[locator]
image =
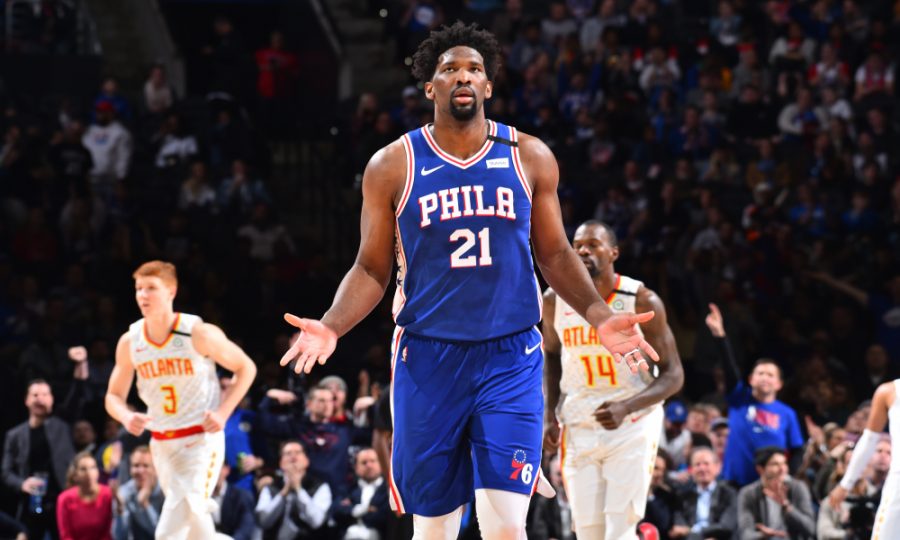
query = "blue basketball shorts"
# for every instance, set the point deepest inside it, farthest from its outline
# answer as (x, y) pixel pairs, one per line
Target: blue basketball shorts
(466, 416)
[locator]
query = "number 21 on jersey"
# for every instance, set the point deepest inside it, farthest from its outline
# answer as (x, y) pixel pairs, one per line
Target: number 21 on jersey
(460, 259)
(604, 366)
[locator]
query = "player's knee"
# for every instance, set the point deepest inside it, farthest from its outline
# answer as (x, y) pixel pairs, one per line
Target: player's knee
(444, 527)
(501, 514)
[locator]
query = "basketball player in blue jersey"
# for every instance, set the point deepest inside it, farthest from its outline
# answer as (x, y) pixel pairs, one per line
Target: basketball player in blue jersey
(461, 203)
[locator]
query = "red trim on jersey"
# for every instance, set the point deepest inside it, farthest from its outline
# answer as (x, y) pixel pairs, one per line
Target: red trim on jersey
(176, 433)
(402, 261)
(612, 295)
(517, 164)
(410, 173)
(464, 164)
(395, 493)
(168, 338)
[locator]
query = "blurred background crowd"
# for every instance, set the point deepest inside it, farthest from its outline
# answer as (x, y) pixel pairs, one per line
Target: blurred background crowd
(744, 152)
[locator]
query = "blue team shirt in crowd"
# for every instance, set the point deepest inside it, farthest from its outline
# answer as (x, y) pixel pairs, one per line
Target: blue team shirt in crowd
(753, 425)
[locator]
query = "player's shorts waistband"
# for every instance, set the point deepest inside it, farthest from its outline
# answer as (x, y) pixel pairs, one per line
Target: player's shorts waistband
(466, 342)
(176, 433)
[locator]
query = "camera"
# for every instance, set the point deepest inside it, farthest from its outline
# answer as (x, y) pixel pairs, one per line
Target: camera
(862, 516)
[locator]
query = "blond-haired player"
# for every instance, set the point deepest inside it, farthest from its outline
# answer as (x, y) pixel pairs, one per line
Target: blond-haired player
(611, 416)
(174, 356)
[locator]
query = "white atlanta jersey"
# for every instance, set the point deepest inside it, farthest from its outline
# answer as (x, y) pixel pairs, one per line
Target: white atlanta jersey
(590, 375)
(176, 382)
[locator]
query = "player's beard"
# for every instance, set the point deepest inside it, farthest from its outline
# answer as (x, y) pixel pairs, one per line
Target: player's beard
(465, 113)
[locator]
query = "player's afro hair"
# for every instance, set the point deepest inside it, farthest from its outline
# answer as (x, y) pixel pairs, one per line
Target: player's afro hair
(425, 59)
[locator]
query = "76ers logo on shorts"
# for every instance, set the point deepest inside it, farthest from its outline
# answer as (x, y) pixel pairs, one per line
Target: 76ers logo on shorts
(521, 470)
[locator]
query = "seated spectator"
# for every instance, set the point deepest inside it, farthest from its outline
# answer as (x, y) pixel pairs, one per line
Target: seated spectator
(707, 508)
(659, 74)
(158, 93)
(110, 93)
(802, 119)
(84, 510)
(551, 518)
(363, 514)
(176, 144)
(234, 509)
(264, 232)
(139, 500)
(195, 193)
(835, 105)
(726, 27)
(84, 438)
(794, 51)
(662, 502)
(559, 25)
(775, 505)
(718, 434)
(295, 504)
(593, 28)
(835, 524)
(829, 71)
(874, 79)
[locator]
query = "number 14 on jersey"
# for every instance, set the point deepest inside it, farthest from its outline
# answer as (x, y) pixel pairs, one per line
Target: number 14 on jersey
(604, 368)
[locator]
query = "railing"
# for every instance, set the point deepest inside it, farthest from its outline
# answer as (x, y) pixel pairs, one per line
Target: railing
(24, 32)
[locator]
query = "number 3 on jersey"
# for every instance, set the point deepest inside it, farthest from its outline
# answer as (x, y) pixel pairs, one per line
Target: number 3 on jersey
(171, 404)
(459, 259)
(605, 368)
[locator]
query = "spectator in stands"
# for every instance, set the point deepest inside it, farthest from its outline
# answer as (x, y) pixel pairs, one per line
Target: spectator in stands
(84, 510)
(84, 438)
(718, 435)
(110, 93)
(835, 524)
(139, 500)
(551, 518)
(676, 440)
(159, 96)
(559, 25)
(529, 45)
(278, 72)
(265, 233)
(174, 142)
(775, 505)
(37, 453)
(874, 79)
(707, 508)
(196, 195)
(234, 514)
(110, 145)
(756, 419)
(363, 514)
(295, 504)
(662, 503)
(792, 52)
(225, 56)
(592, 29)
(241, 191)
(71, 162)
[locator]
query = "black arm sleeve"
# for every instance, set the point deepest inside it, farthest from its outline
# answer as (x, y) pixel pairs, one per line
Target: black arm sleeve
(729, 362)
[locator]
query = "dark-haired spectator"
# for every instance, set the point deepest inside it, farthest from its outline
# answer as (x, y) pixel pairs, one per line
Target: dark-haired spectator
(775, 505)
(196, 195)
(558, 25)
(756, 419)
(241, 191)
(265, 233)
(295, 503)
(84, 510)
(38, 452)
(363, 514)
(110, 145)
(874, 79)
(176, 145)
(234, 514)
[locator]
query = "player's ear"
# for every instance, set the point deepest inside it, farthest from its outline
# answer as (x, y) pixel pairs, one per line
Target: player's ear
(429, 90)
(614, 253)
(488, 90)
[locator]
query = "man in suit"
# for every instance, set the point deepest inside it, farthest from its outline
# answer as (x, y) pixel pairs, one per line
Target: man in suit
(234, 515)
(707, 508)
(775, 505)
(32, 466)
(363, 515)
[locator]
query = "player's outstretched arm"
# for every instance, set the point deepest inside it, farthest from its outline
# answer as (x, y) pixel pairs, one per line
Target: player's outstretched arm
(211, 341)
(117, 391)
(671, 374)
(552, 372)
(363, 286)
(560, 265)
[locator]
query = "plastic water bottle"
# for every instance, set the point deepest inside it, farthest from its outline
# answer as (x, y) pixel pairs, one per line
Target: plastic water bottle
(36, 500)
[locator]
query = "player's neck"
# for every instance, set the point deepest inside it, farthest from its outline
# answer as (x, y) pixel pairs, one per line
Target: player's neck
(461, 139)
(160, 325)
(605, 282)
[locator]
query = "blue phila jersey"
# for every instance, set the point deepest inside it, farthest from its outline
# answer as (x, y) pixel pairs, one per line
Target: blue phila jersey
(463, 241)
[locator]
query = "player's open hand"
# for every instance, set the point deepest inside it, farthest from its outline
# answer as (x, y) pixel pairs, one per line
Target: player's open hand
(315, 344)
(610, 414)
(136, 422)
(213, 421)
(619, 334)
